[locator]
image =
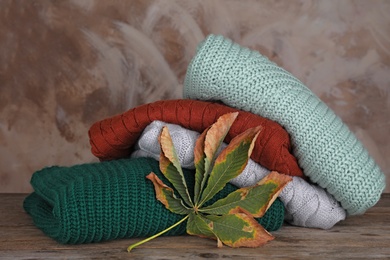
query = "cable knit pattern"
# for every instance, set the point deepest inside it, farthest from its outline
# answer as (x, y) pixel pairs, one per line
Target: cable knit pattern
(183, 140)
(114, 137)
(110, 200)
(326, 149)
(310, 205)
(306, 205)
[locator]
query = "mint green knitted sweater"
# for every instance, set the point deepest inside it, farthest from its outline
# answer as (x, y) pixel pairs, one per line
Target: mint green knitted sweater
(325, 148)
(110, 200)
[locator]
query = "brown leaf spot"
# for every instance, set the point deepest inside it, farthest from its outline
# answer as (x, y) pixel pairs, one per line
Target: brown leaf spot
(243, 194)
(248, 229)
(211, 225)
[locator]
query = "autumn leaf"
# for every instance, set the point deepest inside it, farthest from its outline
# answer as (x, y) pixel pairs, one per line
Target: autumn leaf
(167, 197)
(199, 162)
(230, 220)
(170, 166)
(206, 149)
(253, 200)
(198, 226)
(238, 230)
(230, 163)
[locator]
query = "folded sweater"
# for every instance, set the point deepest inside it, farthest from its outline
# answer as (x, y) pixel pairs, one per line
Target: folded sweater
(110, 200)
(114, 137)
(327, 151)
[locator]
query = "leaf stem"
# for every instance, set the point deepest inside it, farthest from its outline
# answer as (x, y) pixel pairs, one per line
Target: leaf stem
(156, 235)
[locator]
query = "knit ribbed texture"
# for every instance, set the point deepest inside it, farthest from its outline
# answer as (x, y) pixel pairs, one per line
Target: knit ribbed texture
(326, 149)
(114, 137)
(306, 205)
(110, 200)
(183, 140)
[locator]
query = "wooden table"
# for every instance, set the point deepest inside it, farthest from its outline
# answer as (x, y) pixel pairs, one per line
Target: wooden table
(365, 237)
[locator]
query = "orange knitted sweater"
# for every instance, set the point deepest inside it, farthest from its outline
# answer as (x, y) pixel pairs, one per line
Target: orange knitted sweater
(114, 137)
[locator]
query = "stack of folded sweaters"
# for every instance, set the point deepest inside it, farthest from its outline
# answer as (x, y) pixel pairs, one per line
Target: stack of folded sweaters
(333, 175)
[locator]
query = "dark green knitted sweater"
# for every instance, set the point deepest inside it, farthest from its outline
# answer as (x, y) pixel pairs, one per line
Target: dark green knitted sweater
(110, 200)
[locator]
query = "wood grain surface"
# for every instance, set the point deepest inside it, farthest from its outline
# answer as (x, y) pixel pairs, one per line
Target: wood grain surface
(365, 237)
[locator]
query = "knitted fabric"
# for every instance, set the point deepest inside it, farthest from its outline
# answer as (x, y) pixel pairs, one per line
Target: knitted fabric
(326, 149)
(110, 200)
(183, 140)
(306, 205)
(114, 137)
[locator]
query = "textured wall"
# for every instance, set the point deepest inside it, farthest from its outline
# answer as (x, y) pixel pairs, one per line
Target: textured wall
(67, 64)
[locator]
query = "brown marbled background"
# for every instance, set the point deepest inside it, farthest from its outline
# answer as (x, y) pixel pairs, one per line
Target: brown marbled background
(66, 64)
